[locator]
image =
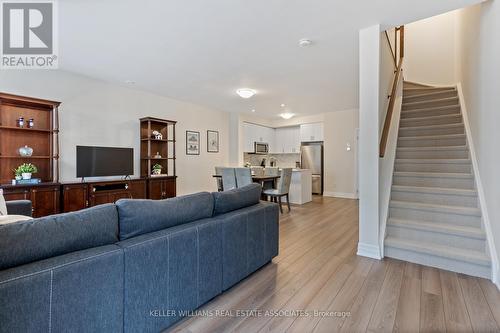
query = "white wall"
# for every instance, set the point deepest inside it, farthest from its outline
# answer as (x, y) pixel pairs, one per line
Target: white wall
(369, 87)
(430, 50)
(96, 113)
(339, 130)
(478, 71)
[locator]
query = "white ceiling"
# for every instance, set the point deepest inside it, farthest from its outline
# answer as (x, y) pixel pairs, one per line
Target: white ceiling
(201, 51)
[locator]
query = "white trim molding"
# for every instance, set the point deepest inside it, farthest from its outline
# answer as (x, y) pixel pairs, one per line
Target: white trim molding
(344, 195)
(495, 270)
(369, 250)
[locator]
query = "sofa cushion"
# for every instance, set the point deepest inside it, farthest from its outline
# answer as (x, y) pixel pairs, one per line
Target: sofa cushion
(137, 217)
(237, 198)
(32, 240)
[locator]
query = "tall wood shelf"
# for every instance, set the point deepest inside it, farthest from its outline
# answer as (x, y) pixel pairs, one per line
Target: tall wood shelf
(158, 186)
(43, 137)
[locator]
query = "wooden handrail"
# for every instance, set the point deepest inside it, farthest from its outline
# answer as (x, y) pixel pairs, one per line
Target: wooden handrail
(392, 97)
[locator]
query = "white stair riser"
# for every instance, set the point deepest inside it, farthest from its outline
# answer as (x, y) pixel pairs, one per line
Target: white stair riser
(424, 96)
(437, 238)
(433, 154)
(460, 183)
(433, 167)
(445, 120)
(438, 262)
(429, 104)
(432, 142)
(437, 199)
(424, 131)
(423, 215)
(430, 113)
(420, 91)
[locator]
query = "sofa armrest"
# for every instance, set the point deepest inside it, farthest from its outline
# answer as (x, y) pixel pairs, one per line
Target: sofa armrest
(19, 207)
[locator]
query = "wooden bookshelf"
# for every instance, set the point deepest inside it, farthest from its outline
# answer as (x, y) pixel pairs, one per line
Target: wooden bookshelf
(43, 137)
(158, 186)
(157, 151)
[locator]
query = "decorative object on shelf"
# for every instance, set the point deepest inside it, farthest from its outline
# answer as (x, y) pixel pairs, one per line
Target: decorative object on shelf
(158, 155)
(248, 165)
(192, 143)
(212, 141)
(20, 122)
(31, 123)
(157, 169)
(157, 135)
(26, 170)
(25, 151)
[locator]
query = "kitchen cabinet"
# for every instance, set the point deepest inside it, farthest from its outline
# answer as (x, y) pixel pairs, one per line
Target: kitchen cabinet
(287, 140)
(255, 133)
(311, 132)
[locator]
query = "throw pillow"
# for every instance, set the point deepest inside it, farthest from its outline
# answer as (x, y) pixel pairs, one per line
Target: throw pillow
(7, 219)
(3, 205)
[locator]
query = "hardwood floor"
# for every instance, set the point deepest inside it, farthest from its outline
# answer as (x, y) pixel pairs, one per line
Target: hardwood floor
(318, 270)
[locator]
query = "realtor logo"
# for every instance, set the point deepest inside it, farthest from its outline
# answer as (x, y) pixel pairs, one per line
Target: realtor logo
(28, 35)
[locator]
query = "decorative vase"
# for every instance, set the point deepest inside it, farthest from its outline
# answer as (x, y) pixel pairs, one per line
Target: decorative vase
(156, 171)
(26, 175)
(18, 177)
(25, 151)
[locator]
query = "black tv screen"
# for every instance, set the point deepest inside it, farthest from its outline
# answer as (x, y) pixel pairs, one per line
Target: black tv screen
(104, 161)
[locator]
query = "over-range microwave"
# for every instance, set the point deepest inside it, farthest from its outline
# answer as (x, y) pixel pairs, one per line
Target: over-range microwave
(261, 148)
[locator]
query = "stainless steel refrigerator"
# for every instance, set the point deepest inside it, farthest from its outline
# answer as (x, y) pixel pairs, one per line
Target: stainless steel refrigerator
(312, 159)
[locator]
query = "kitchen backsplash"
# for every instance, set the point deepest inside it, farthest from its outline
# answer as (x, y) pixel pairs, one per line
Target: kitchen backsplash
(282, 160)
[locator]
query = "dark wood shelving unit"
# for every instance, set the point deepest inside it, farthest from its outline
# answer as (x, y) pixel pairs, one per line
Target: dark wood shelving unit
(159, 186)
(43, 138)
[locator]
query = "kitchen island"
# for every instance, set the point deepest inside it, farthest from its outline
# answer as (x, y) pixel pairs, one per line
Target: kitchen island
(301, 186)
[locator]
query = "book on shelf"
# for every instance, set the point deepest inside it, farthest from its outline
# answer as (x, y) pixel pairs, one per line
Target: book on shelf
(28, 181)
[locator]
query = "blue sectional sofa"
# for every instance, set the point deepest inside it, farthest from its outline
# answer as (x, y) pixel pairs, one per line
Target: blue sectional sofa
(134, 266)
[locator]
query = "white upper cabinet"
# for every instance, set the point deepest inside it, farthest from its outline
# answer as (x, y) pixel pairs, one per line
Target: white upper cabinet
(311, 132)
(287, 140)
(255, 133)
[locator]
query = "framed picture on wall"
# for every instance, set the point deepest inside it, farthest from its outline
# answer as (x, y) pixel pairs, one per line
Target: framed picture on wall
(192, 143)
(212, 141)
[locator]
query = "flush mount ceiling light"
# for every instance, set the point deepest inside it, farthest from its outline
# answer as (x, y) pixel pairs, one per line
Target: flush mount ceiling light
(282, 105)
(287, 115)
(304, 42)
(253, 110)
(245, 92)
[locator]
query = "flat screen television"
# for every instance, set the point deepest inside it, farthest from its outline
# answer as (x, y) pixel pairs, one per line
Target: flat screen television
(104, 161)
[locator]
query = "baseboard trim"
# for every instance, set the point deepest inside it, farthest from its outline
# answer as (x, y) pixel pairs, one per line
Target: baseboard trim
(369, 250)
(495, 265)
(344, 195)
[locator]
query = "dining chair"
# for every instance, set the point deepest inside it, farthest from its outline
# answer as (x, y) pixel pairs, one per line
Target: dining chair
(228, 179)
(271, 172)
(258, 171)
(282, 189)
(218, 172)
(243, 176)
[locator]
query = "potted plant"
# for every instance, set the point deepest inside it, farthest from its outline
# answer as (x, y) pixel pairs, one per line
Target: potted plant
(25, 170)
(157, 169)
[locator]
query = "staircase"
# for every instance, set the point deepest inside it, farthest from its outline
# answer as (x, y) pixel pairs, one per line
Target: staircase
(434, 215)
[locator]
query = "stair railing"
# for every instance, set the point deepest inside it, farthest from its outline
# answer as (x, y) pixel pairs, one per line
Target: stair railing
(398, 51)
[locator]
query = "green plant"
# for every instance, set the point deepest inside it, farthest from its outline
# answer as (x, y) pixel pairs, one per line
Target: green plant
(157, 167)
(25, 168)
